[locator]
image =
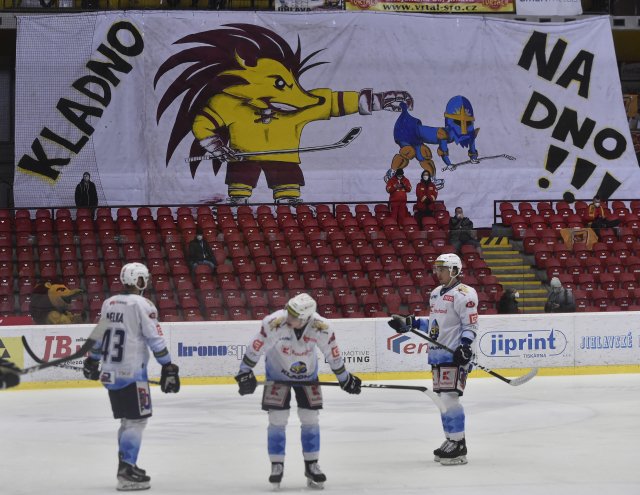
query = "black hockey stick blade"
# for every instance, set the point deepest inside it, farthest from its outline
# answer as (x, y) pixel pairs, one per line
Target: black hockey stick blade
(511, 381)
(95, 336)
(431, 394)
(345, 141)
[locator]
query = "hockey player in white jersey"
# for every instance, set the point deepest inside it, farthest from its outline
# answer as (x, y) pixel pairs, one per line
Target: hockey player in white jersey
(132, 329)
(289, 338)
(453, 322)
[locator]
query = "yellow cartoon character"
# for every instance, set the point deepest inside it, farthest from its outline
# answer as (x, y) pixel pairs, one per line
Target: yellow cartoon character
(50, 304)
(244, 104)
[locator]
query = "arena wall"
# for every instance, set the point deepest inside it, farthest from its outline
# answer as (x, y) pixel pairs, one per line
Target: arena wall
(210, 352)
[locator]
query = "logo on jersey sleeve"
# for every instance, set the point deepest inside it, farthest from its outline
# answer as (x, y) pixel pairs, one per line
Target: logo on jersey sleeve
(470, 304)
(473, 318)
(335, 352)
(159, 329)
(257, 345)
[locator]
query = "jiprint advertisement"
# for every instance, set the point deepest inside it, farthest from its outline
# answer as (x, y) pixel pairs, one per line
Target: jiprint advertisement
(204, 108)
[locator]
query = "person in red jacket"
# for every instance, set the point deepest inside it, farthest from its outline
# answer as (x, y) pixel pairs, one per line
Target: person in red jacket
(398, 186)
(595, 216)
(426, 195)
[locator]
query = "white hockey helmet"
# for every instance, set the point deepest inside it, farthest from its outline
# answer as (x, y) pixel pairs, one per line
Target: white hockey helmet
(131, 273)
(302, 306)
(451, 261)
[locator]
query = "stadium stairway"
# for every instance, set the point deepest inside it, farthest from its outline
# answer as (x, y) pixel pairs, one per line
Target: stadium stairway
(512, 270)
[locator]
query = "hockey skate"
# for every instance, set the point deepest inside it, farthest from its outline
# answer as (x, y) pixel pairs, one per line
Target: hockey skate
(315, 476)
(438, 452)
(277, 470)
(453, 453)
(131, 478)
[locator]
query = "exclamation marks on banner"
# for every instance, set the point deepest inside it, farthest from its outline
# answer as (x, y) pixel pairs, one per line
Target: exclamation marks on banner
(582, 172)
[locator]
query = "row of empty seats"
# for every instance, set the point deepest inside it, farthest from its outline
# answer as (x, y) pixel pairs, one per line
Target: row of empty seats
(303, 250)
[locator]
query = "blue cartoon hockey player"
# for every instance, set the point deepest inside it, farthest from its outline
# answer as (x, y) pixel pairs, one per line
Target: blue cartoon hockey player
(413, 137)
(289, 339)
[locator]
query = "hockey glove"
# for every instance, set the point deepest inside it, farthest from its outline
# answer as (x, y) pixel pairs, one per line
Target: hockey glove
(9, 374)
(463, 354)
(402, 324)
(351, 385)
(247, 382)
(91, 369)
(169, 379)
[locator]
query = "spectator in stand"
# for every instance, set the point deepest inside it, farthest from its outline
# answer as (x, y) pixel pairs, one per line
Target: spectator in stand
(461, 231)
(398, 186)
(426, 195)
(508, 303)
(560, 299)
(86, 193)
(595, 216)
(200, 252)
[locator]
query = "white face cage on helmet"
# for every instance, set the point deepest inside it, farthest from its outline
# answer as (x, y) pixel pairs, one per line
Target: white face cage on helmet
(450, 261)
(131, 273)
(302, 306)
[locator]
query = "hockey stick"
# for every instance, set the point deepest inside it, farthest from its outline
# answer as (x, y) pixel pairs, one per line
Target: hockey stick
(454, 166)
(432, 395)
(345, 141)
(511, 381)
(33, 356)
(95, 336)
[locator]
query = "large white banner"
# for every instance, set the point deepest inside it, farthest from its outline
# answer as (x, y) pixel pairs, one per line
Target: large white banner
(507, 109)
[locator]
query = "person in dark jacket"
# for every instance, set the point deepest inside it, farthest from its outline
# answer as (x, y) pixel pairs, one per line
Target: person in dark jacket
(560, 298)
(86, 193)
(200, 252)
(461, 231)
(508, 303)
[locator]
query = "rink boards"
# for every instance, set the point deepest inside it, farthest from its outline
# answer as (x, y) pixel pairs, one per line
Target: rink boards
(210, 352)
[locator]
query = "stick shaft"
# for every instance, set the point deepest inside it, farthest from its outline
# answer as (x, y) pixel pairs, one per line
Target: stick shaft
(515, 382)
(346, 140)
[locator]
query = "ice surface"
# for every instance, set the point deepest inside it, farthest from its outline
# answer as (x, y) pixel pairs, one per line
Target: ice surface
(570, 435)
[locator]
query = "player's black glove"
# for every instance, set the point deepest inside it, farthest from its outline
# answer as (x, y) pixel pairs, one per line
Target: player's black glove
(463, 354)
(91, 369)
(169, 379)
(351, 385)
(402, 324)
(247, 382)
(9, 374)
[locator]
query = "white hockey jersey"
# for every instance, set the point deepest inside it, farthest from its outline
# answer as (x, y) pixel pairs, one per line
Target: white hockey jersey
(453, 316)
(132, 328)
(288, 358)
